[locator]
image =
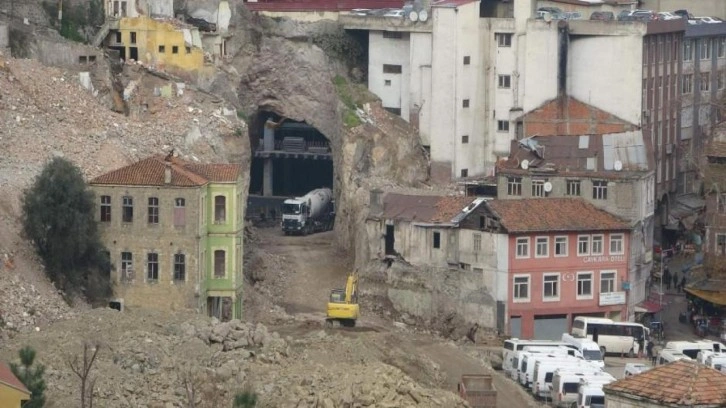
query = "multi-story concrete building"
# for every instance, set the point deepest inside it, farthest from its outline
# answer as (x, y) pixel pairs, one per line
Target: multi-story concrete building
(715, 190)
(174, 232)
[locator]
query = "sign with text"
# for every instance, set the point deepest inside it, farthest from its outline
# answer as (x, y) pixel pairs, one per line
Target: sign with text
(612, 298)
(603, 258)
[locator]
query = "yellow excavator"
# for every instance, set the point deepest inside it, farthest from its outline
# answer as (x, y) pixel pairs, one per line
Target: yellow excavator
(343, 309)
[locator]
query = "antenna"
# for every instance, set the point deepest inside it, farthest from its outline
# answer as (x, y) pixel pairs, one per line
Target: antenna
(525, 164)
(423, 15)
(413, 16)
(547, 187)
(618, 165)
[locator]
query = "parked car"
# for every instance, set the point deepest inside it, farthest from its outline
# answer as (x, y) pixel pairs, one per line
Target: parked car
(395, 13)
(634, 369)
(572, 15)
(645, 15)
(709, 20)
(683, 14)
(667, 15)
(625, 15)
(602, 15)
(551, 10)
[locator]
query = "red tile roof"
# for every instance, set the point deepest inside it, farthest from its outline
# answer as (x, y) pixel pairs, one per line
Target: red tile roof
(681, 383)
(8, 378)
(150, 172)
(554, 214)
(423, 208)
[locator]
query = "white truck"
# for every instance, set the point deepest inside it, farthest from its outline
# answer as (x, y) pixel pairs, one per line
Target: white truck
(310, 213)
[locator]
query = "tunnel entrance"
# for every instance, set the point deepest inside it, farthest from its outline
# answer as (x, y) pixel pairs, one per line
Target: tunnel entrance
(289, 159)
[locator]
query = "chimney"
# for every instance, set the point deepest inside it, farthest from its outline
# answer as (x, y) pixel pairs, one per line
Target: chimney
(167, 173)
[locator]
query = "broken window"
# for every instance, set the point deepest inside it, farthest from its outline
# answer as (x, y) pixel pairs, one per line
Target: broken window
(437, 239)
(395, 111)
(105, 208)
(607, 282)
(127, 266)
(188, 50)
(465, 266)
(573, 188)
(118, 37)
(467, 60)
(128, 209)
(133, 37)
(180, 268)
(551, 285)
(503, 39)
(175, 49)
(616, 244)
(522, 247)
(123, 9)
(152, 267)
(720, 244)
(514, 186)
(584, 284)
(600, 190)
(583, 245)
(220, 269)
(477, 242)
(597, 244)
(162, 49)
(502, 126)
(392, 69)
(521, 288)
(542, 247)
(82, 59)
(153, 210)
(560, 246)
(180, 212)
(505, 81)
(220, 209)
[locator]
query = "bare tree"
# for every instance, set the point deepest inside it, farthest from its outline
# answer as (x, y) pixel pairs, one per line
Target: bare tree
(83, 370)
(202, 384)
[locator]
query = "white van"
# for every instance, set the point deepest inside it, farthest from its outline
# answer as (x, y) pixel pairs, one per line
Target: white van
(634, 369)
(566, 384)
(589, 349)
(514, 364)
(590, 394)
(717, 361)
(544, 370)
(703, 355)
(529, 361)
(513, 345)
(669, 355)
(691, 348)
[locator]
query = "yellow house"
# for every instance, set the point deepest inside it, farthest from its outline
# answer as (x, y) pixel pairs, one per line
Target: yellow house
(12, 391)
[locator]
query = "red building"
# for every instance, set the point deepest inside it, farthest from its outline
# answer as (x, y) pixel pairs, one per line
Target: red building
(565, 258)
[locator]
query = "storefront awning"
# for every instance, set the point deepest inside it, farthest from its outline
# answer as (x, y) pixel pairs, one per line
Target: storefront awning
(717, 298)
(648, 307)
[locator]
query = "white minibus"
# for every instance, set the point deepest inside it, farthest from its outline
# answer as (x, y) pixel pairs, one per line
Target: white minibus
(513, 345)
(692, 348)
(666, 356)
(566, 384)
(514, 364)
(589, 349)
(544, 371)
(612, 337)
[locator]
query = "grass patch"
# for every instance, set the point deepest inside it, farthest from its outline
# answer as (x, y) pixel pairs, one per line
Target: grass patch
(350, 117)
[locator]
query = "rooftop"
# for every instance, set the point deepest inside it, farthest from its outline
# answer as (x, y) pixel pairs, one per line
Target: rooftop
(151, 172)
(554, 214)
(8, 378)
(681, 383)
(424, 208)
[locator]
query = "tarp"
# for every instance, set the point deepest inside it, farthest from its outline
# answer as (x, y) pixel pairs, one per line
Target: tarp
(648, 307)
(717, 298)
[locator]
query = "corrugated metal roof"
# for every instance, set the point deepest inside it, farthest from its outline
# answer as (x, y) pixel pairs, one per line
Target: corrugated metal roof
(628, 148)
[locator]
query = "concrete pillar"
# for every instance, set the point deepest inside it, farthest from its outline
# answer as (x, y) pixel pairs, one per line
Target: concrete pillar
(268, 141)
(267, 178)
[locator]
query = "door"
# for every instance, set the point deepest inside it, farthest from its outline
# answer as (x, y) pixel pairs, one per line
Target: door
(550, 327)
(390, 240)
(515, 326)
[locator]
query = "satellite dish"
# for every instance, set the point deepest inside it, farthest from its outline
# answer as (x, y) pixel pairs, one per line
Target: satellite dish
(618, 165)
(413, 16)
(525, 164)
(547, 17)
(423, 15)
(547, 187)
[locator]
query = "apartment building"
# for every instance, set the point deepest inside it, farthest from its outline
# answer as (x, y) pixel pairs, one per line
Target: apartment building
(174, 232)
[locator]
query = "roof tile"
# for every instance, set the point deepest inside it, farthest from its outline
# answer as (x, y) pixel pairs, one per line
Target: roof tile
(423, 208)
(683, 382)
(150, 172)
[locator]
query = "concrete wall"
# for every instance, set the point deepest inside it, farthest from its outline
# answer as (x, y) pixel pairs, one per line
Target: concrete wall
(420, 85)
(392, 88)
(66, 54)
(618, 401)
(4, 37)
(540, 55)
(160, 8)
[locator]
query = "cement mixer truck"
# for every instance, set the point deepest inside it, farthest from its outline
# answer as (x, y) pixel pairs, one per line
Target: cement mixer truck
(313, 212)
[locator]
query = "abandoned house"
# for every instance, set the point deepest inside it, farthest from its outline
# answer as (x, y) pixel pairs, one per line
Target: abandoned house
(174, 232)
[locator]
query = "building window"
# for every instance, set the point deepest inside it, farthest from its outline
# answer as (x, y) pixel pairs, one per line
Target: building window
(437, 239)
(505, 81)
(721, 203)
(188, 50)
(127, 265)
(465, 139)
(392, 69)
(560, 246)
(538, 188)
(220, 258)
(521, 288)
(522, 247)
(573, 188)
(705, 49)
(397, 35)
(720, 244)
(477, 242)
(597, 244)
(465, 103)
(152, 267)
(583, 245)
(467, 60)
(550, 287)
(387, 82)
(180, 268)
(175, 49)
(721, 47)
(133, 37)
(600, 190)
(180, 212)
(503, 39)
(616, 244)
(687, 50)
(465, 266)
(705, 84)
(542, 247)
(220, 209)
(153, 210)
(105, 208)
(687, 83)
(464, 172)
(162, 49)
(395, 111)
(514, 186)
(502, 126)
(584, 285)
(118, 37)
(127, 209)
(607, 282)
(721, 80)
